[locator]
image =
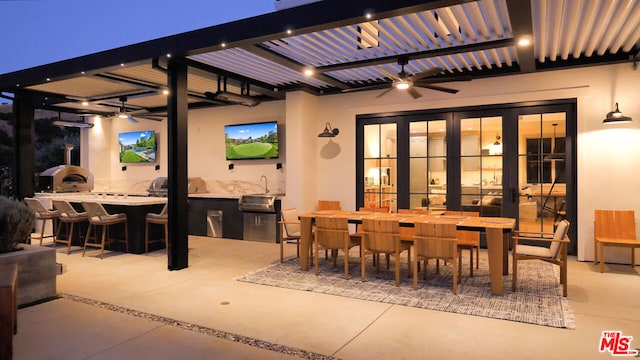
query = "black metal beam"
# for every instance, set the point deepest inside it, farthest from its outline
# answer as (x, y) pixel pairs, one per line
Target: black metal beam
(265, 53)
(522, 26)
(418, 55)
(178, 250)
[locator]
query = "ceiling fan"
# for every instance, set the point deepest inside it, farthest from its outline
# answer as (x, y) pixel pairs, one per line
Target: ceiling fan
(403, 81)
(123, 113)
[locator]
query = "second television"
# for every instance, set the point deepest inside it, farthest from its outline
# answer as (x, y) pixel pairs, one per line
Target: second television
(251, 141)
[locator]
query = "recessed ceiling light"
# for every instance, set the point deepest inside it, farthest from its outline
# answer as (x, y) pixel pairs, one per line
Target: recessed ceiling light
(308, 72)
(165, 92)
(289, 31)
(85, 103)
(368, 16)
(524, 41)
(223, 44)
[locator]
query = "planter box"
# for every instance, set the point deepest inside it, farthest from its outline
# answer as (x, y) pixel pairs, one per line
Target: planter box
(36, 272)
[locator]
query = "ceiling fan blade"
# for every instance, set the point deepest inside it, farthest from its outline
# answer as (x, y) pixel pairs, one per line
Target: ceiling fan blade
(426, 74)
(438, 88)
(414, 93)
(132, 119)
(390, 74)
(442, 79)
(370, 87)
(384, 92)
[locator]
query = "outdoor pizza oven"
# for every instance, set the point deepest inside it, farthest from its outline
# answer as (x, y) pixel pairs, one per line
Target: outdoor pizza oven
(66, 178)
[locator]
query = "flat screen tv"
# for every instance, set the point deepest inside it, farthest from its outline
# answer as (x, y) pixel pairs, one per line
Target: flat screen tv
(137, 146)
(252, 141)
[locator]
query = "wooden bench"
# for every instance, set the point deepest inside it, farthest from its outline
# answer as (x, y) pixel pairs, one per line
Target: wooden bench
(8, 308)
(614, 228)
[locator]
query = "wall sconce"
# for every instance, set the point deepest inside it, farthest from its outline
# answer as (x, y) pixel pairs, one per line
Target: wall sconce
(157, 167)
(328, 131)
(279, 166)
(124, 168)
(616, 117)
(230, 166)
(496, 148)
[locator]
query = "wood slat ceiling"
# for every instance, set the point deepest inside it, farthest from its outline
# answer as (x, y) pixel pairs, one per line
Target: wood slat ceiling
(464, 38)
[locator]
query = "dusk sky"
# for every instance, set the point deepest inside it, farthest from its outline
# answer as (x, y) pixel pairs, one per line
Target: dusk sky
(38, 32)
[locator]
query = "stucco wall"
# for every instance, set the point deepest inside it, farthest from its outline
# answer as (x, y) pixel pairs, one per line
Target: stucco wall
(319, 168)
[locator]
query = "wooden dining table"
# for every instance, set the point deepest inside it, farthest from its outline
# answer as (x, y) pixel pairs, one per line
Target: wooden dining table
(497, 229)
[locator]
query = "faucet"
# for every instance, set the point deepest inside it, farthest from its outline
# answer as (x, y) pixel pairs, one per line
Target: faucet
(266, 189)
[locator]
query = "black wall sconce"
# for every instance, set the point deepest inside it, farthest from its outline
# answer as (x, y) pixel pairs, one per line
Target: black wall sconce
(124, 168)
(328, 131)
(157, 167)
(616, 117)
(230, 166)
(279, 166)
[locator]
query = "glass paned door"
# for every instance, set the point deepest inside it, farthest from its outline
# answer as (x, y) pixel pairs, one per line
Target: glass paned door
(481, 165)
(380, 166)
(428, 164)
(541, 176)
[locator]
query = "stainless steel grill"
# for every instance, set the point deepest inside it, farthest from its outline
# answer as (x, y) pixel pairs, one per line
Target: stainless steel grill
(160, 186)
(257, 203)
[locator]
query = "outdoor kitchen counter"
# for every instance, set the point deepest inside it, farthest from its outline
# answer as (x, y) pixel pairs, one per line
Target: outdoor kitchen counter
(136, 208)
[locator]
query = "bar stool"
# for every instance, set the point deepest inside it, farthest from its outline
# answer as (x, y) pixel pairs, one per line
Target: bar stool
(98, 216)
(43, 214)
(68, 217)
(161, 219)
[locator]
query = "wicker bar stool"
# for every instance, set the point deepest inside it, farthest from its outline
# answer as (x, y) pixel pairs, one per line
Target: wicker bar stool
(161, 219)
(43, 214)
(68, 217)
(98, 216)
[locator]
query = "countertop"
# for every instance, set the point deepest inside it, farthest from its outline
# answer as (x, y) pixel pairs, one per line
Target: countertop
(104, 199)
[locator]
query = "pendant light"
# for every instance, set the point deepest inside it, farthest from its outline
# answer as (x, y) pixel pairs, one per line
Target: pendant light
(554, 155)
(616, 117)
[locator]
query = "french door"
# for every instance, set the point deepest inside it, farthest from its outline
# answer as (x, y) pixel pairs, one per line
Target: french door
(514, 160)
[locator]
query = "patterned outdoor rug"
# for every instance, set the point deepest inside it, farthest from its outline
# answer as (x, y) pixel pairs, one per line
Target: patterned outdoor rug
(537, 300)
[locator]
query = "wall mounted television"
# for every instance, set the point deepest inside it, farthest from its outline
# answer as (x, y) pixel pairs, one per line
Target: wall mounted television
(252, 141)
(137, 146)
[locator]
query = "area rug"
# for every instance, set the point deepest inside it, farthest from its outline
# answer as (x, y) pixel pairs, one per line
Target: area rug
(537, 300)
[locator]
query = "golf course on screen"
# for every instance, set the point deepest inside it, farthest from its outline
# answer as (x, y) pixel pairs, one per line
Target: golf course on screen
(251, 141)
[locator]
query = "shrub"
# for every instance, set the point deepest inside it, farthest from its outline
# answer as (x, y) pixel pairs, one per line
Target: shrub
(16, 224)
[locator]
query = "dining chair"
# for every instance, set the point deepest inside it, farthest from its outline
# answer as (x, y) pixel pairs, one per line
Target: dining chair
(68, 217)
(99, 217)
(328, 205)
(614, 228)
(333, 233)
(382, 236)
(358, 235)
(467, 240)
(161, 218)
(290, 231)
(43, 214)
(436, 240)
(551, 247)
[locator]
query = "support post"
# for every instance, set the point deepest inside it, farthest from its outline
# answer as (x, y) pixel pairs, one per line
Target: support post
(178, 200)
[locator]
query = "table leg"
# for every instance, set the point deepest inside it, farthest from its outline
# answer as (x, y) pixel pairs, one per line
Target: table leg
(495, 248)
(505, 253)
(305, 242)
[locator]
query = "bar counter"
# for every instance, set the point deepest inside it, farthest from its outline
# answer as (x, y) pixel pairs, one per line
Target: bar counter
(136, 208)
